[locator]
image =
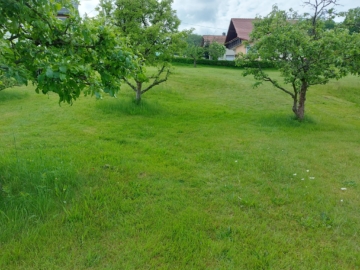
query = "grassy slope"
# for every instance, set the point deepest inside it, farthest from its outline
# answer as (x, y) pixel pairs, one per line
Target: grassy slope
(200, 176)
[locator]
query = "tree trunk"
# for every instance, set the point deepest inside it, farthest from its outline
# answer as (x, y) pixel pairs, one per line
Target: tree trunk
(194, 62)
(299, 108)
(138, 92)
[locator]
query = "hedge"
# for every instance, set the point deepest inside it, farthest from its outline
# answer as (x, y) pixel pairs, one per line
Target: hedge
(223, 63)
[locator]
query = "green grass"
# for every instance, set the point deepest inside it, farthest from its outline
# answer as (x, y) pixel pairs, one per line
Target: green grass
(200, 175)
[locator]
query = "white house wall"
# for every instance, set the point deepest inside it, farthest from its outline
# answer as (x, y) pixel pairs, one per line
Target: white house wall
(229, 55)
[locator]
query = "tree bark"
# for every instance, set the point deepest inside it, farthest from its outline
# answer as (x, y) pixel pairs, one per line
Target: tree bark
(138, 92)
(194, 62)
(299, 107)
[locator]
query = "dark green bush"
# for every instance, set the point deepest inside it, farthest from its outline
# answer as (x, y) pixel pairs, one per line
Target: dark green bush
(223, 63)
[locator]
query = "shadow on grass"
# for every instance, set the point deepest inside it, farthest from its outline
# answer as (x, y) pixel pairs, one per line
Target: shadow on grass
(12, 94)
(289, 122)
(286, 121)
(129, 106)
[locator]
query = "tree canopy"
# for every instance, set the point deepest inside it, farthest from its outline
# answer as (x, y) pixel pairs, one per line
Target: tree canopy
(63, 56)
(194, 52)
(304, 51)
(151, 28)
(194, 39)
(216, 50)
(352, 20)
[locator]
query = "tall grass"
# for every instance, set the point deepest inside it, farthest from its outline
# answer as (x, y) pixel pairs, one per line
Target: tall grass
(206, 173)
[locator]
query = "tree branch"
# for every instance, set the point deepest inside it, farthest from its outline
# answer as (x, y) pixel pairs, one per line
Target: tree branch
(38, 14)
(157, 81)
(274, 83)
(319, 7)
(129, 84)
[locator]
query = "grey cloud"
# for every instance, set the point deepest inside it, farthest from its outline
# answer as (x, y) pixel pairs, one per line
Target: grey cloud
(215, 15)
(196, 7)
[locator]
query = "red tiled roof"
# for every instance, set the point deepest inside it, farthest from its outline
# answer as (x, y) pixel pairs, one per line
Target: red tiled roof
(242, 28)
(219, 39)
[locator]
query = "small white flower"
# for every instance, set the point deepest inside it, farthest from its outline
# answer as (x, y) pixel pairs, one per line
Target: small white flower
(294, 174)
(307, 170)
(341, 200)
(343, 188)
(235, 160)
(64, 201)
(302, 179)
(311, 177)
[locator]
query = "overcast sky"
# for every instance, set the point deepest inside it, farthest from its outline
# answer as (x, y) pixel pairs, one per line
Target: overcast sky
(213, 16)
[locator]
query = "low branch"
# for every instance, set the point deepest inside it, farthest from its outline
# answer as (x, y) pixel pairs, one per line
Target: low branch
(129, 84)
(274, 83)
(157, 81)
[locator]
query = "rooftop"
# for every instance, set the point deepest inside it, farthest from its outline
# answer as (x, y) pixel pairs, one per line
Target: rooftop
(214, 38)
(240, 28)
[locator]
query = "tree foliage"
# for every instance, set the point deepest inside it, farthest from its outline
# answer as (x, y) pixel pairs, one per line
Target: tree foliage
(194, 52)
(216, 50)
(151, 27)
(65, 57)
(352, 20)
(329, 24)
(194, 39)
(304, 51)
(6, 82)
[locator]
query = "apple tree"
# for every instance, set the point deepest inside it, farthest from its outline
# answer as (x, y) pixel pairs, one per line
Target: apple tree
(151, 28)
(301, 48)
(63, 56)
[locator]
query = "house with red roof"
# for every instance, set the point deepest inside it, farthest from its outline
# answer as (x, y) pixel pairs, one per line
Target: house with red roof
(208, 39)
(238, 32)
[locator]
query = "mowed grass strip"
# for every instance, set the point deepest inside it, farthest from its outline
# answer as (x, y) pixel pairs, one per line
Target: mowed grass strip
(206, 173)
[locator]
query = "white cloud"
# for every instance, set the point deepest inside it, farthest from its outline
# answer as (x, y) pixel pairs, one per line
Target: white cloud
(213, 16)
(88, 6)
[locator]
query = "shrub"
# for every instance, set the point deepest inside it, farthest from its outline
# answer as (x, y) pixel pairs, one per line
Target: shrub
(223, 63)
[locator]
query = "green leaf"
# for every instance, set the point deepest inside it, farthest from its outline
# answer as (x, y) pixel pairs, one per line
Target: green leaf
(49, 73)
(63, 69)
(62, 76)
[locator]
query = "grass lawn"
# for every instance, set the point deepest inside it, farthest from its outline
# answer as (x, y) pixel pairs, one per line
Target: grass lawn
(207, 173)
